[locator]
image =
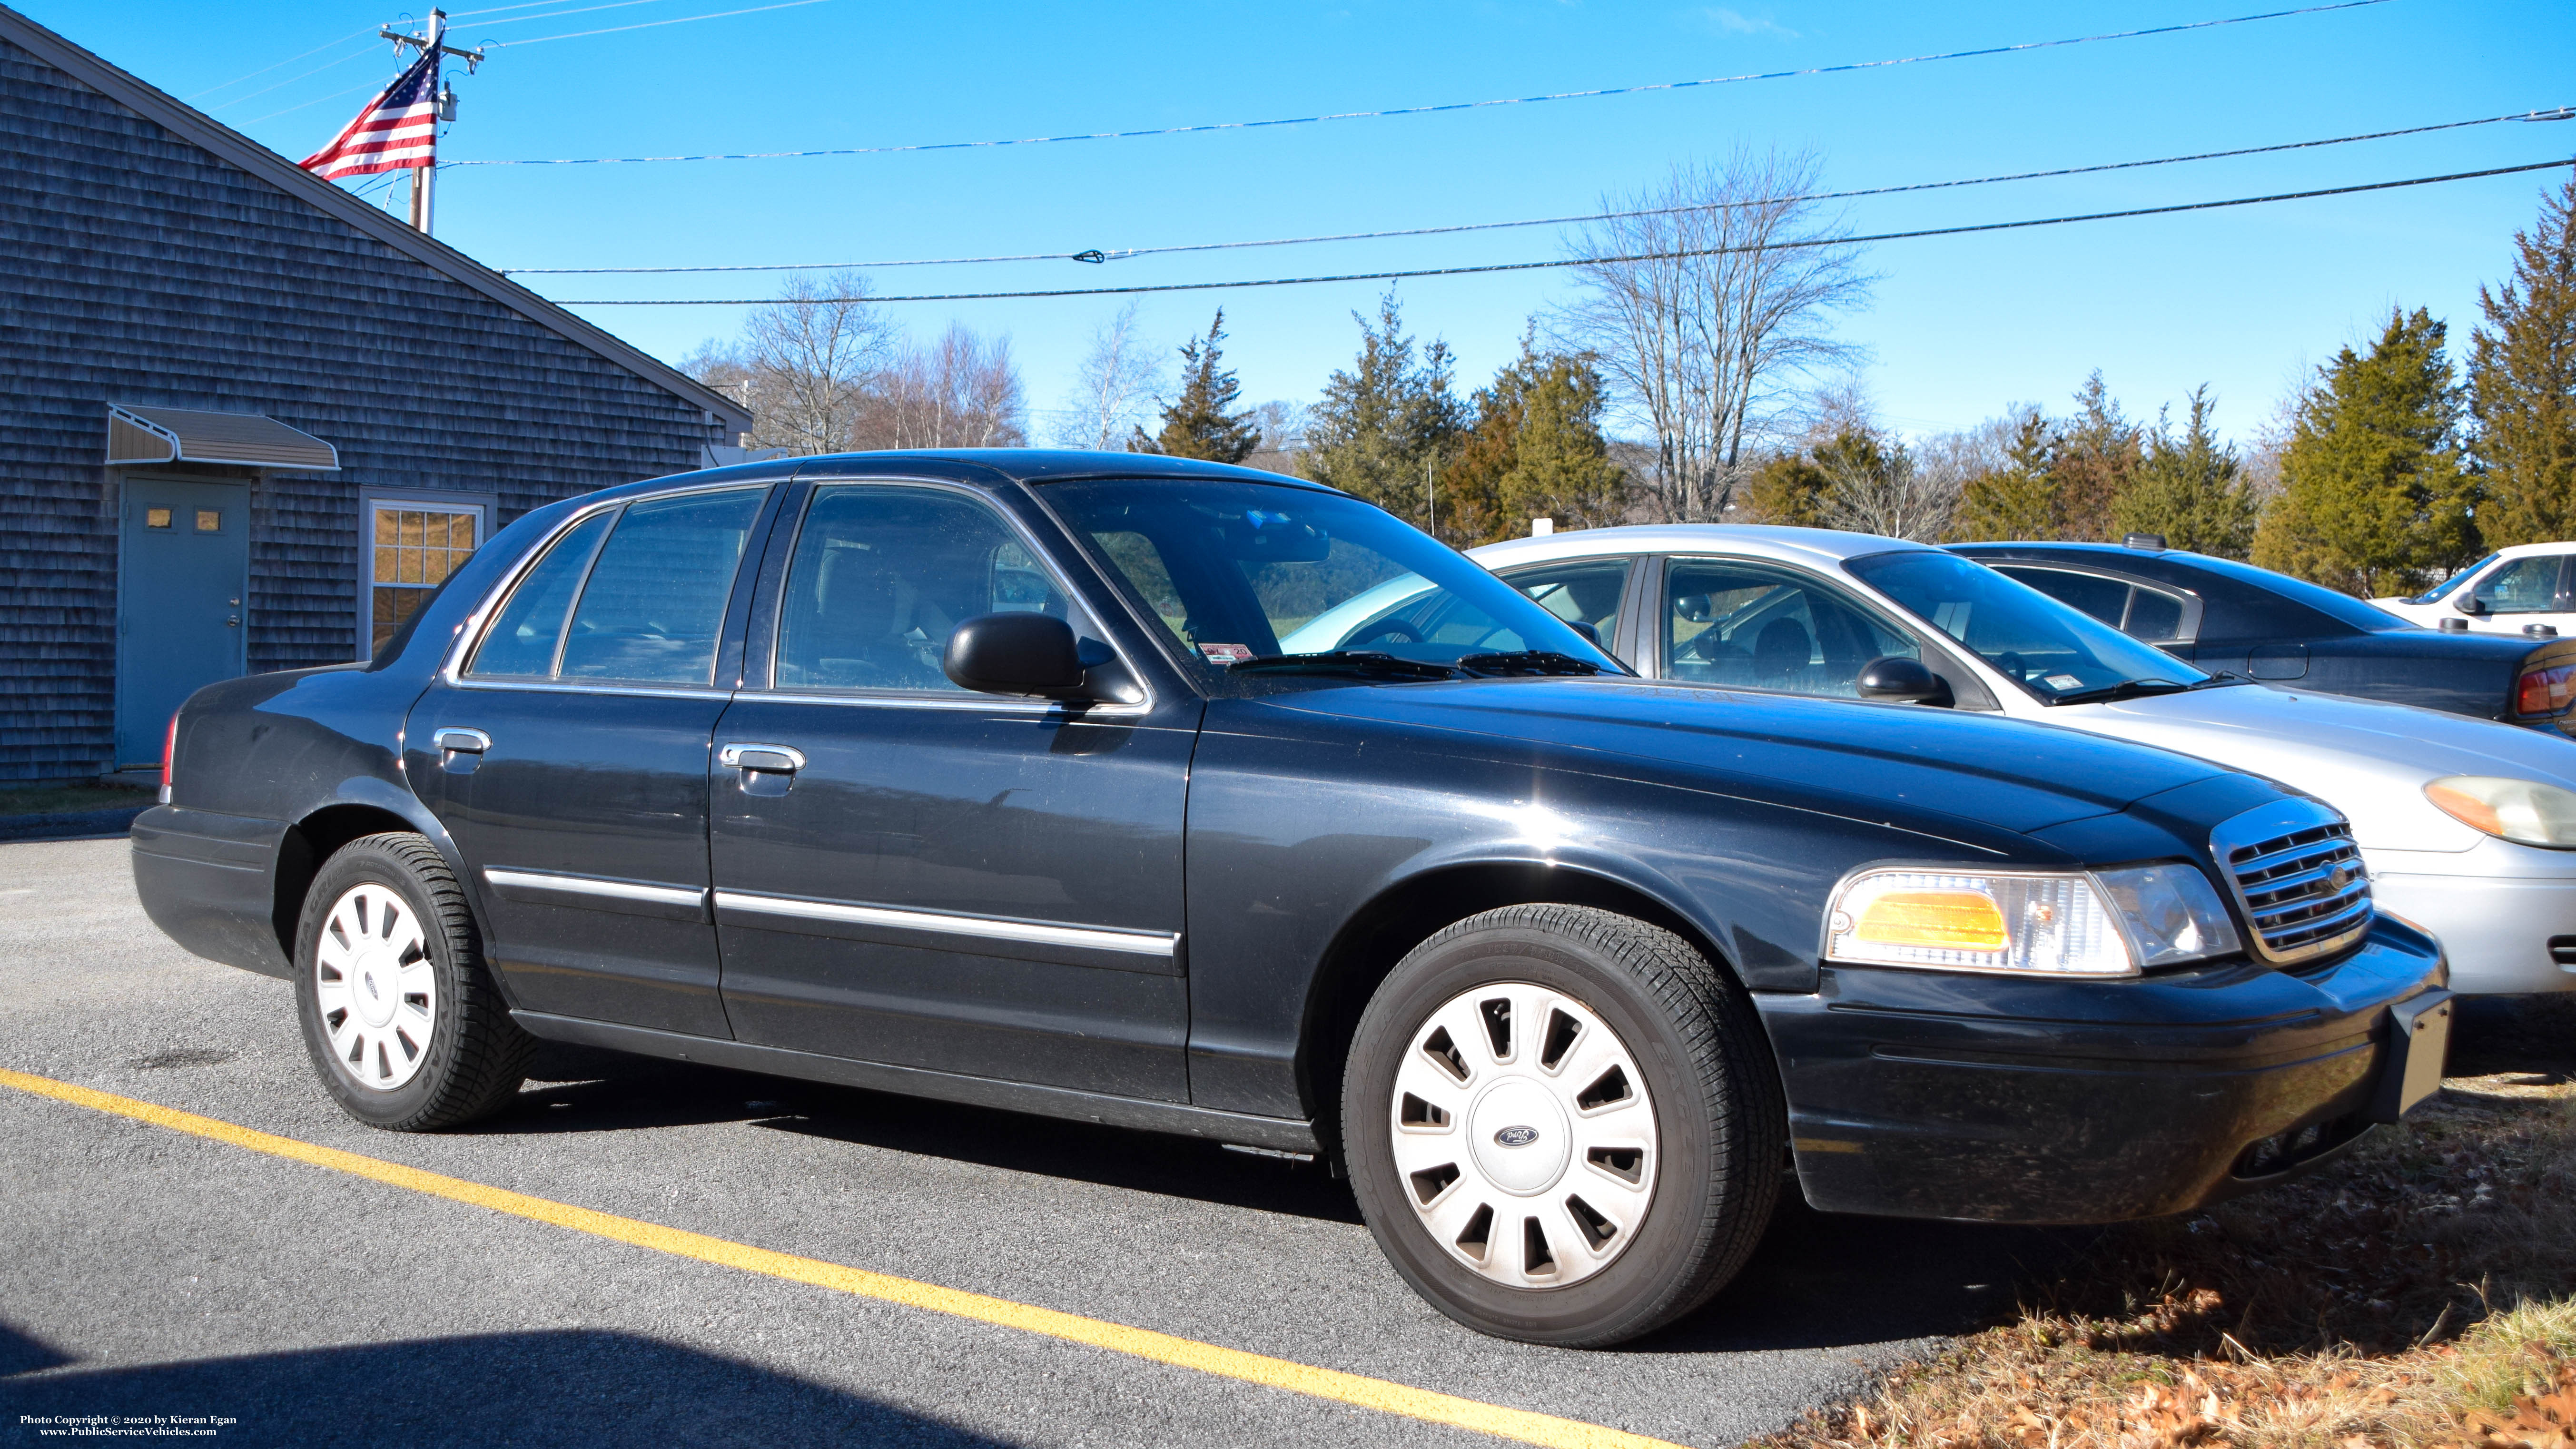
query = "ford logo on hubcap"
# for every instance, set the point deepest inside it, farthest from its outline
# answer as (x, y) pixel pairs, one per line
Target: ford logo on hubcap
(1517, 1136)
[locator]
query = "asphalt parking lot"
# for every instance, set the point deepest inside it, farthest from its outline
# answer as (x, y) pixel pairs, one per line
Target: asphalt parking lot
(152, 1271)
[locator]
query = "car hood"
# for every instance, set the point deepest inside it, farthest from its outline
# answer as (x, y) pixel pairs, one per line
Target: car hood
(2368, 759)
(1890, 763)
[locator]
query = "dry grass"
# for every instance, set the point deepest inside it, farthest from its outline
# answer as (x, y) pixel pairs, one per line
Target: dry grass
(2420, 1292)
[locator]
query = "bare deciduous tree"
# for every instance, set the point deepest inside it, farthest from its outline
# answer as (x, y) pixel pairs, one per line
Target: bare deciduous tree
(960, 391)
(1113, 388)
(1707, 310)
(807, 361)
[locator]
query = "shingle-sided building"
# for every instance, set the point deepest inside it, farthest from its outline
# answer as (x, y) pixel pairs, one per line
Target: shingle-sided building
(247, 420)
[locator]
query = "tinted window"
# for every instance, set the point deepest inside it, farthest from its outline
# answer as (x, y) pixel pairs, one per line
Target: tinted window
(656, 598)
(2525, 586)
(521, 644)
(1758, 626)
(1248, 570)
(2154, 617)
(1579, 593)
(2047, 648)
(2133, 609)
(882, 576)
(2104, 599)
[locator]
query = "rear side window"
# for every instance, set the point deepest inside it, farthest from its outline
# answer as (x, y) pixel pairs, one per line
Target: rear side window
(522, 642)
(635, 595)
(655, 600)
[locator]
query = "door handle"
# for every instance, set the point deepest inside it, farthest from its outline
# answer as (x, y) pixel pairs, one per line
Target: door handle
(461, 741)
(773, 759)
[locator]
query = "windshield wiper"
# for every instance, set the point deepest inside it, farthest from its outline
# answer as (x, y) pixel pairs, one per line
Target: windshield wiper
(1343, 661)
(2125, 689)
(1529, 662)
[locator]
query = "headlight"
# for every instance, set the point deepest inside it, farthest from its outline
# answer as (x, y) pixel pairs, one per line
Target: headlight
(2054, 924)
(2523, 810)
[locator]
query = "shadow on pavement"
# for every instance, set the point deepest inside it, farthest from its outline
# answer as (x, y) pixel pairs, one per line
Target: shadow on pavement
(2535, 1035)
(22, 1353)
(564, 1387)
(1817, 1281)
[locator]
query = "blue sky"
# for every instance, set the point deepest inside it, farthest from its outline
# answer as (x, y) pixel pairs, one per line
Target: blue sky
(2245, 300)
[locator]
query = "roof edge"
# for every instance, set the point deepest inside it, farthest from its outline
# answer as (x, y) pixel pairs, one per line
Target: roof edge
(198, 128)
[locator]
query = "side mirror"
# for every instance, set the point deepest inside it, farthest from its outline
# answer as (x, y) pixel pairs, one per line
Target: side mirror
(1898, 678)
(1014, 654)
(2471, 604)
(1590, 635)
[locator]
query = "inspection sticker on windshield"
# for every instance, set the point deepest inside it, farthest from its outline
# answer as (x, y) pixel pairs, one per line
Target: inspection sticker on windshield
(1225, 653)
(2062, 681)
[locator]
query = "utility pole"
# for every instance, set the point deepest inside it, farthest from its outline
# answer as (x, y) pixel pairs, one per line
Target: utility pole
(425, 175)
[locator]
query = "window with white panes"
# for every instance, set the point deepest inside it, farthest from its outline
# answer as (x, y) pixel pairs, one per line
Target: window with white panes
(413, 547)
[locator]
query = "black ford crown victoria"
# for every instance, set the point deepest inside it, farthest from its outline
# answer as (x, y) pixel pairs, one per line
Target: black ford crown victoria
(1020, 779)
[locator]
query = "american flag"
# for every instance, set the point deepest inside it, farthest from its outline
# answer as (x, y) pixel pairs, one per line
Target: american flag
(397, 129)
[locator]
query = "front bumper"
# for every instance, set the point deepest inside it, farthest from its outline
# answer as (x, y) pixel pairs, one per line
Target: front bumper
(2494, 908)
(1924, 1094)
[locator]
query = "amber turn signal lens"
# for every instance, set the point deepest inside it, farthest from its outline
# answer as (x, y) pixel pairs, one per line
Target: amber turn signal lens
(2466, 808)
(1958, 920)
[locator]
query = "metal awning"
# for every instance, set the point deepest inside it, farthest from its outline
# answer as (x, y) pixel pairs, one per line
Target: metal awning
(181, 435)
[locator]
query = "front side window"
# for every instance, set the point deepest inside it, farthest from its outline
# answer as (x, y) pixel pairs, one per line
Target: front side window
(636, 595)
(412, 548)
(2525, 586)
(2133, 609)
(2057, 653)
(1759, 626)
(881, 577)
(1266, 576)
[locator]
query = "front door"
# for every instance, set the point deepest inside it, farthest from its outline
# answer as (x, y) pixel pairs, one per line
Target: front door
(568, 758)
(183, 574)
(909, 873)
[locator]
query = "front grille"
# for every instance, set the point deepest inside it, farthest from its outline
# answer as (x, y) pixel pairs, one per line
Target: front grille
(2296, 874)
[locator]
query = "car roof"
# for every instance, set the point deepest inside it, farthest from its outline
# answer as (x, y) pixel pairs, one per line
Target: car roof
(965, 465)
(1787, 545)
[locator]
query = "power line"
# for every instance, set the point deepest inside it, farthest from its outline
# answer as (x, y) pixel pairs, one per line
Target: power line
(272, 65)
(2561, 113)
(1431, 110)
(1593, 261)
(720, 15)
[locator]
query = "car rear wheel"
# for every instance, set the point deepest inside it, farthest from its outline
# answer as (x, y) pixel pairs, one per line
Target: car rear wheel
(403, 1025)
(1562, 1124)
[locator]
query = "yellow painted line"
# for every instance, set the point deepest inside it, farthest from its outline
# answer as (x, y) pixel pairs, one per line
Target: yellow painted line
(1254, 1368)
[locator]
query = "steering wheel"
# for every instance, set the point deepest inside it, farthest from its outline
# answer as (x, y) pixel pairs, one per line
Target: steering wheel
(1392, 631)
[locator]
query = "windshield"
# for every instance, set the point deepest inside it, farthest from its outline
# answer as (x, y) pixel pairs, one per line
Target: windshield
(2055, 651)
(2442, 590)
(1248, 572)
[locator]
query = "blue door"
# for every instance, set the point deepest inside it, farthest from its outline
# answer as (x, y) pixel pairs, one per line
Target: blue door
(183, 574)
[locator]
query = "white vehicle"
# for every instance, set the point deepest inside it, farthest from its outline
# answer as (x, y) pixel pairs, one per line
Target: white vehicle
(2468, 827)
(2517, 590)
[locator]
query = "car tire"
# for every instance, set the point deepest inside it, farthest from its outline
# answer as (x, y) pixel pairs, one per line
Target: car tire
(403, 1023)
(1612, 1204)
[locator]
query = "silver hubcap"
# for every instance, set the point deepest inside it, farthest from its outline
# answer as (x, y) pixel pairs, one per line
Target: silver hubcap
(373, 981)
(1523, 1135)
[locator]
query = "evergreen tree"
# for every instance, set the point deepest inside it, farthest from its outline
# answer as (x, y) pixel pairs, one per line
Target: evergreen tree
(1787, 490)
(1383, 427)
(2375, 496)
(2522, 385)
(1561, 467)
(2192, 489)
(1201, 422)
(2096, 452)
(2019, 501)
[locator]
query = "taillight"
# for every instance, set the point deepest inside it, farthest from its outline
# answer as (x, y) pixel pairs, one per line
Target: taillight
(169, 753)
(2545, 691)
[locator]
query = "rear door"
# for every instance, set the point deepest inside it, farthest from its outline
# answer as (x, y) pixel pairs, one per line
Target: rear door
(910, 873)
(567, 753)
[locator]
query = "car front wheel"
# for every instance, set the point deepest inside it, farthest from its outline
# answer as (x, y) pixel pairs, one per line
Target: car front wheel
(404, 1027)
(1562, 1124)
